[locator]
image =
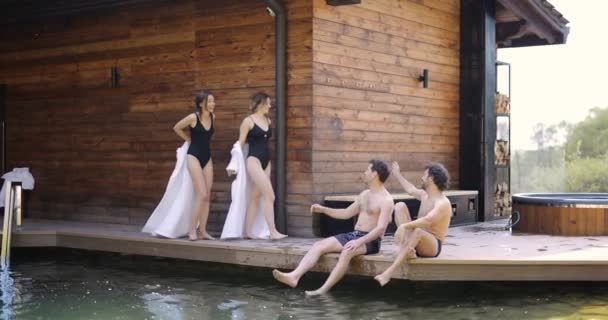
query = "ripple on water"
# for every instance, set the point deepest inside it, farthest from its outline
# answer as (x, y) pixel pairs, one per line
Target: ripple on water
(70, 291)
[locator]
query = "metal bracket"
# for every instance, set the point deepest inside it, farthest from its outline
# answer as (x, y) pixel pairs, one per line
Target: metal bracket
(12, 205)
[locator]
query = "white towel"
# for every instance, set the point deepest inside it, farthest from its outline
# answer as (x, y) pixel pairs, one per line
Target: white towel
(22, 175)
(172, 216)
(234, 226)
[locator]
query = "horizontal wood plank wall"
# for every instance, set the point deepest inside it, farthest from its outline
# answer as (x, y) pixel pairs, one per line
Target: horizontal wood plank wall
(101, 154)
(299, 116)
(367, 100)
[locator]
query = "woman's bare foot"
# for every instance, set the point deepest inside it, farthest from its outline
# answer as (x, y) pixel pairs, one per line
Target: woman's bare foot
(204, 235)
(284, 278)
(249, 237)
(317, 292)
(192, 235)
(383, 279)
(277, 236)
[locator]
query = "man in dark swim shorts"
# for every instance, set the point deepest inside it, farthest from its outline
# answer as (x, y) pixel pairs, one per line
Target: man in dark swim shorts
(374, 207)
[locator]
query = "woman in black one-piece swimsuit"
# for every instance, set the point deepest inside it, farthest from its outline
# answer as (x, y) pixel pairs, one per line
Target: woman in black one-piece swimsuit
(197, 128)
(255, 130)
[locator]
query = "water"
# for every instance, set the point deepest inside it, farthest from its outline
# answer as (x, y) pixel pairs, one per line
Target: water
(74, 287)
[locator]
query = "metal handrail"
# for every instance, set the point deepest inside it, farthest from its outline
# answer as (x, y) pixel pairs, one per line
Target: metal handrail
(12, 207)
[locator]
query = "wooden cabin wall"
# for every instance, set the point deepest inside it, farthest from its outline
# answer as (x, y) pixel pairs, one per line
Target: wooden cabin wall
(105, 154)
(367, 99)
(102, 154)
(299, 116)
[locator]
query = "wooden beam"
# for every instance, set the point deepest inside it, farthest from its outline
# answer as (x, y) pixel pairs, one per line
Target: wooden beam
(477, 86)
(509, 30)
(504, 15)
(527, 40)
(342, 2)
(542, 22)
(29, 10)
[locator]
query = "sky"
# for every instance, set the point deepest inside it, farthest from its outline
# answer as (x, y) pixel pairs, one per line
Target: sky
(560, 82)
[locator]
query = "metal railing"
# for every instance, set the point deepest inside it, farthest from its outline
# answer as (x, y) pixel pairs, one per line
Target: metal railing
(12, 208)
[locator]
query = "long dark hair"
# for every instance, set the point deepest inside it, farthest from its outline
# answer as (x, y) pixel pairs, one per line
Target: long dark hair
(201, 97)
(256, 100)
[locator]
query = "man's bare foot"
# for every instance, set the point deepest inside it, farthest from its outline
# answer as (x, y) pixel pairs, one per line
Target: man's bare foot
(284, 278)
(382, 279)
(203, 235)
(277, 236)
(317, 292)
(411, 254)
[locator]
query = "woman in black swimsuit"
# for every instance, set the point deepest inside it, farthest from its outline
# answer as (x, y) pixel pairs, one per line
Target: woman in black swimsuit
(197, 129)
(255, 130)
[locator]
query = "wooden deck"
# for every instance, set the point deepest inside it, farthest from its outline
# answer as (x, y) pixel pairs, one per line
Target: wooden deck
(480, 252)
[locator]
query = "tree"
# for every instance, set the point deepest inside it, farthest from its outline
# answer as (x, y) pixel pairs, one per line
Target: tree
(547, 141)
(578, 163)
(589, 138)
(587, 175)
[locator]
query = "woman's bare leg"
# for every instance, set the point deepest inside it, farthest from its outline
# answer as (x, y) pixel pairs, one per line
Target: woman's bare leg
(252, 208)
(201, 193)
(204, 213)
(261, 179)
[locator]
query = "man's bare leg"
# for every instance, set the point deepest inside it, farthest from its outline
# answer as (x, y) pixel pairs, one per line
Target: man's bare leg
(402, 255)
(320, 248)
(418, 241)
(402, 214)
(339, 270)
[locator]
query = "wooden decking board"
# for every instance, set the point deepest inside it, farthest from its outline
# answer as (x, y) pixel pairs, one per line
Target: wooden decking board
(481, 252)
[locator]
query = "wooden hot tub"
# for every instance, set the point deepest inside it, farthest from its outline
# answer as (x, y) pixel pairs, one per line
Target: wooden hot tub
(568, 214)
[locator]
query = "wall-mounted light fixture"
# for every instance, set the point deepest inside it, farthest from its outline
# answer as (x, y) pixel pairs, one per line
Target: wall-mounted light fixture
(270, 12)
(114, 77)
(424, 78)
(342, 2)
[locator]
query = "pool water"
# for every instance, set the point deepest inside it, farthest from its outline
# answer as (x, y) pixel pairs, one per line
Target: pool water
(73, 287)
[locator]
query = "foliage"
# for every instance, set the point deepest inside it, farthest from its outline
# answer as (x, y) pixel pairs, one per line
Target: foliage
(589, 138)
(587, 175)
(578, 162)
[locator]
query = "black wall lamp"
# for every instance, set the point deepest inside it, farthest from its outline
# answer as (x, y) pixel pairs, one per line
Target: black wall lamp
(114, 77)
(342, 2)
(424, 78)
(270, 12)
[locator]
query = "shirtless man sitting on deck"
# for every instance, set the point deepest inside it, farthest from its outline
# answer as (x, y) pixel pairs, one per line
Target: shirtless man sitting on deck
(423, 236)
(374, 207)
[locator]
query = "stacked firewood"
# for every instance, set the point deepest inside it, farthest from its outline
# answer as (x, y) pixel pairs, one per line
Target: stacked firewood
(502, 202)
(501, 152)
(502, 103)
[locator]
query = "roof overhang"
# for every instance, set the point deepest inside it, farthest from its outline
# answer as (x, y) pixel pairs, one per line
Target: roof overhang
(524, 23)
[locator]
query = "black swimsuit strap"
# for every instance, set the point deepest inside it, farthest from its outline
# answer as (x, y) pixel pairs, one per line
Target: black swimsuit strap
(200, 119)
(255, 124)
